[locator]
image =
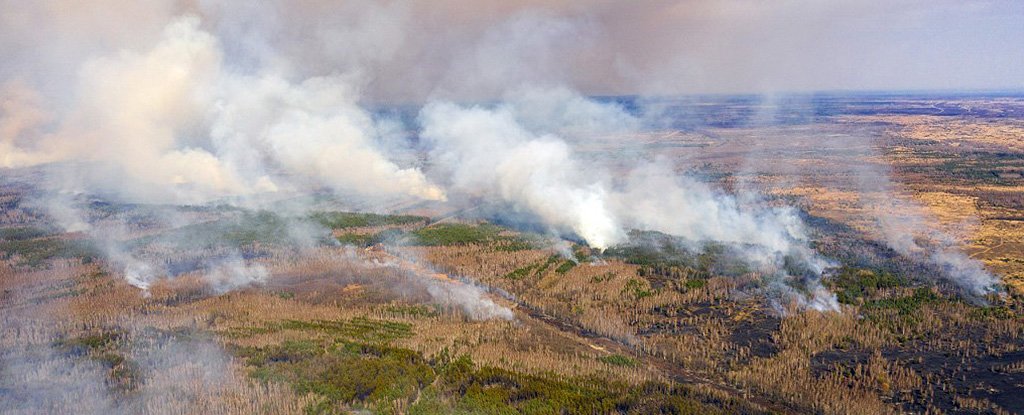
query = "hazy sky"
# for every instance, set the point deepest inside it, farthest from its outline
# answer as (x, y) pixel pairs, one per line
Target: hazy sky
(808, 45)
(459, 48)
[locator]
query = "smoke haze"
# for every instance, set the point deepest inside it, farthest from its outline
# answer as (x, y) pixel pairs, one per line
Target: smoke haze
(178, 137)
(193, 103)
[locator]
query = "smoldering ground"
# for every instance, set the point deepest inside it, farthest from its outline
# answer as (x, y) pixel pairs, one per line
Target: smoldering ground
(52, 364)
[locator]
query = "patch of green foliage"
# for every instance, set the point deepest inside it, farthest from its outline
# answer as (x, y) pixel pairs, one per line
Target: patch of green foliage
(520, 273)
(22, 233)
(637, 289)
(357, 375)
(456, 234)
(673, 272)
(489, 390)
(343, 372)
(565, 267)
(608, 276)
(341, 220)
(365, 240)
(412, 310)
(976, 167)
(264, 227)
(693, 284)
(901, 316)
(359, 328)
(250, 227)
(904, 305)
(464, 234)
(360, 240)
(851, 284)
(548, 263)
(581, 254)
(660, 253)
(513, 244)
(994, 313)
(85, 344)
(534, 269)
(34, 252)
(60, 289)
(647, 255)
(356, 329)
(618, 360)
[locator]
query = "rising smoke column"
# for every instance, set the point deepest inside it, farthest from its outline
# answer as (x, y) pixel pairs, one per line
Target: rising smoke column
(174, 123)
(906, 228)
(192, 102)
(487, 153)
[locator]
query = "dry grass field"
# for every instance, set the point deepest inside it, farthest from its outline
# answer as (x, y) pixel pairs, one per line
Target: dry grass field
(410, 315)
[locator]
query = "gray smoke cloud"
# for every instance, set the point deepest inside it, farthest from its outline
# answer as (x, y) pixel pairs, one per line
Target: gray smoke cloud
(251, 103)
(909, 230)
(203, 114)
(444, 290)
(172, 124)
(133, 368)
(459, 49)
(848, 161)
(204, 102)
(186, 375)
(491, 153)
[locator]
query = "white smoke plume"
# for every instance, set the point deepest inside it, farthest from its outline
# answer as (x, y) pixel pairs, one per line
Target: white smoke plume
(471, 299)
(890, 214)
(186, 374)
(443, 289)
(487, 153)
(21, 113)
(225, 101)
(234, 273)
(174, 124)
(907, 229)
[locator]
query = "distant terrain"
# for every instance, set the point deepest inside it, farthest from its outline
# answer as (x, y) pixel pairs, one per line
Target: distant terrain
(436, 308)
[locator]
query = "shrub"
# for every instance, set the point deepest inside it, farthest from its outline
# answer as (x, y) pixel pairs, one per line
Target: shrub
(34, 252)
(456, 234)
(618, 360)
(565, 267)
(341, 220)
(853, 283)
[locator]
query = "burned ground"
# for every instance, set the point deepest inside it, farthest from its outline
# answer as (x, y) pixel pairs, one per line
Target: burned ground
(657, 324)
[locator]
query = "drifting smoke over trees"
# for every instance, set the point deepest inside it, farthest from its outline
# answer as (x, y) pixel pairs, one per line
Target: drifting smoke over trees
(206, 106)
(190, 190)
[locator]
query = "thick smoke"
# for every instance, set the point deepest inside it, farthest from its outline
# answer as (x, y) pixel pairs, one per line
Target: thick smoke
(485, 153)
(239, 103)
(173, 124)
(20, 114)
(228, 102)
(489, 153)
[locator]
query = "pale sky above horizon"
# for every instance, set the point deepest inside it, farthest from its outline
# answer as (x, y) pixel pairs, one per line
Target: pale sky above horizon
(413, 51)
